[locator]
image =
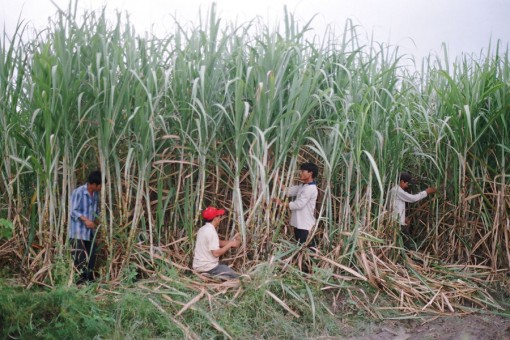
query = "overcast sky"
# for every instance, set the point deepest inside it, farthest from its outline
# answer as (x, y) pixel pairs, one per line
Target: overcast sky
(418, 26)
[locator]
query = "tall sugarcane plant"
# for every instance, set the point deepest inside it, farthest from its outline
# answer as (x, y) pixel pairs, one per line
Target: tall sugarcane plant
(223, 114)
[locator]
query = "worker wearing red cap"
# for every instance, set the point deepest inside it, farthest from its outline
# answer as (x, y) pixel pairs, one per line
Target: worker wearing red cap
(209, 247)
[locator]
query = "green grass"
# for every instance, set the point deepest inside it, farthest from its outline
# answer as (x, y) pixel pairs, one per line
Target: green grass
(59, 313)
(137, 312)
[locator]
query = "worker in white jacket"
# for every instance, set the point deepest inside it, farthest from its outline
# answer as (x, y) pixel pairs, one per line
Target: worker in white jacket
(398, 198)
(303, 206)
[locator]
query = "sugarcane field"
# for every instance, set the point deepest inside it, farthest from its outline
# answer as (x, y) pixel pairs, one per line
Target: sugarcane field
(242, 180)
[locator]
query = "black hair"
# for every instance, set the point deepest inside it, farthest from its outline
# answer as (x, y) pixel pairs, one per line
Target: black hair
(95, 177)
(310, 167)
(406, 177)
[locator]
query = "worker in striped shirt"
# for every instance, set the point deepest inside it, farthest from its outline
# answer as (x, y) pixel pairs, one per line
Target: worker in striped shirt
(84, 222)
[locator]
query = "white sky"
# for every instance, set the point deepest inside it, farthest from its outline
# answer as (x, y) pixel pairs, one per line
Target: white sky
(417, 26)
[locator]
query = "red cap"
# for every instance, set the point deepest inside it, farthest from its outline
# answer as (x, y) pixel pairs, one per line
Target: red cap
(210, 212)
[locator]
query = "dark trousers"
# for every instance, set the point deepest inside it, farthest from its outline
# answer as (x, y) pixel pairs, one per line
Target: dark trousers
(84, 257)
(407, 239)
(302, 235)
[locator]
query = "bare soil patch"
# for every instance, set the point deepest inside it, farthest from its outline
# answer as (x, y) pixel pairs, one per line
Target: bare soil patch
(474, 326)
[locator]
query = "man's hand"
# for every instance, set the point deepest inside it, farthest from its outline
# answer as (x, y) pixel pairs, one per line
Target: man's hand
(88, 223)
(430, 190)
(234, 243)
(277, 201)
(225, 246)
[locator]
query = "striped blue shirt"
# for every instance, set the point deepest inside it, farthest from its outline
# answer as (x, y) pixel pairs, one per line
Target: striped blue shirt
(82, 204)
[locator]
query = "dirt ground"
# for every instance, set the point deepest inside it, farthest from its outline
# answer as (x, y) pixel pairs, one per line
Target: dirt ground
(475, 326)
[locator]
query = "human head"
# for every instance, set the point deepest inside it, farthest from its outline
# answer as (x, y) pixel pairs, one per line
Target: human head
(310, 167)
(405, 180)
(210, 213)
(94, 177)
(94, 181)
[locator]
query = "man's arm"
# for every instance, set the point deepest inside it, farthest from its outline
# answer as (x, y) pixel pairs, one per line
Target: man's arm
(303, 199)
(88, 223)
(225, 246)
(292, 191)
(224, 242)
(410, 198)
(76, 200)
(78, 213)
(98, 211)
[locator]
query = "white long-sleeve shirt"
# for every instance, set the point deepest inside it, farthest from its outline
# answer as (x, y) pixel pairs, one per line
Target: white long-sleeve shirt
(398, 198)
(303, 207)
